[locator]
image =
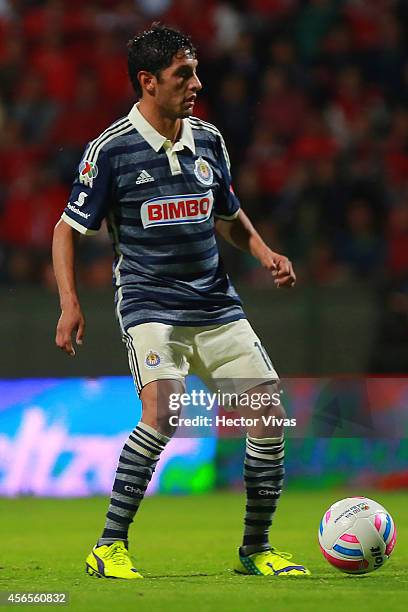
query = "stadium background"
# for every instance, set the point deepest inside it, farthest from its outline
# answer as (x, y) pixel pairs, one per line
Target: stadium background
(312, 98)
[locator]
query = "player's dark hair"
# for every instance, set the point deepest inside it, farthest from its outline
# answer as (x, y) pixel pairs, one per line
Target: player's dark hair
(153, 50)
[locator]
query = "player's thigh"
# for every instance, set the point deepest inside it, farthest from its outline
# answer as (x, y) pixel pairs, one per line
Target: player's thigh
(157, 351)
(231, 357)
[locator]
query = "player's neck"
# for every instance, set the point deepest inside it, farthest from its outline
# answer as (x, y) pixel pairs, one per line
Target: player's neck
(170, 128)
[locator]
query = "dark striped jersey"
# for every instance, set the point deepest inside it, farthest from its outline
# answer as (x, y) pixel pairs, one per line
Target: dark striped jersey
(160, 201)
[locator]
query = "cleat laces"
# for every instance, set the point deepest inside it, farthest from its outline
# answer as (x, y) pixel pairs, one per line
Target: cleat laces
(279, 553)
(118, 554)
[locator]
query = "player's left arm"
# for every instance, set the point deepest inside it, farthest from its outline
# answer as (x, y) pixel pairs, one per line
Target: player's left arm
(241, 233)
(234, 226)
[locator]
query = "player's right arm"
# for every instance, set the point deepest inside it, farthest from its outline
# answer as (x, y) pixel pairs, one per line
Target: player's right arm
(83, 213)
(71, 319)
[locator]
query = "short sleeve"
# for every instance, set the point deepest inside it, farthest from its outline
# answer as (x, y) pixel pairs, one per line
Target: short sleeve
(227, 204)
(90, 196)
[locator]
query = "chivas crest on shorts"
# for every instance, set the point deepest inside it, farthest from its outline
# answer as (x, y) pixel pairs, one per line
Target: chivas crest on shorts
(152, 359)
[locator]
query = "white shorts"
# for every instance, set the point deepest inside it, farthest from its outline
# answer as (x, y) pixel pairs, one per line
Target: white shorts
(227, 357)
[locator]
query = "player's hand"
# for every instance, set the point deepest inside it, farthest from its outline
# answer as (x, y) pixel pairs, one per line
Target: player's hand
(281, 269)
(70, 321)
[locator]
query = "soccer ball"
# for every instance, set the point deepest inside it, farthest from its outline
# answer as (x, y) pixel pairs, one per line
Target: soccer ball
(357, 535)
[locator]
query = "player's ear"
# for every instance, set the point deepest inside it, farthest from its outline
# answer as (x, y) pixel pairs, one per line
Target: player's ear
(147, 81)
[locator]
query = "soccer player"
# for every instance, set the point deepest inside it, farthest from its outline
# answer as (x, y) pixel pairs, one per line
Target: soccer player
(161, 179)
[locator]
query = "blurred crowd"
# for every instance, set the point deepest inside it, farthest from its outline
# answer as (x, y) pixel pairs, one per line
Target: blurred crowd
(311, 96)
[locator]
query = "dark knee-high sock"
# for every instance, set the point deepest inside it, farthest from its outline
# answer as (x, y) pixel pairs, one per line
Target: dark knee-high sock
(137, 463)
(263, 475)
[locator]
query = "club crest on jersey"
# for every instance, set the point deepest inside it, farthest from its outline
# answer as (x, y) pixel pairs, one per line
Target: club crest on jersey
(203, 171)
(88, 171)
(169, 210)
(152, 359)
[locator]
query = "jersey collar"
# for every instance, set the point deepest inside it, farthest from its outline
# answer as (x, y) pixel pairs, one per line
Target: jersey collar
(156, 140)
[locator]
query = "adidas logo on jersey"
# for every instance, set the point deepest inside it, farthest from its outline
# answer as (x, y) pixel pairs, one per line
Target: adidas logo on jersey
(144, 177)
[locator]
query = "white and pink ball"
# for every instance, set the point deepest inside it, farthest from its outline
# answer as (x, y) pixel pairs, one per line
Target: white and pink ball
(357, 535)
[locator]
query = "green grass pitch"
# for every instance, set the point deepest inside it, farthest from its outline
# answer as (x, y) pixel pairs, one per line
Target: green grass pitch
(185, 547)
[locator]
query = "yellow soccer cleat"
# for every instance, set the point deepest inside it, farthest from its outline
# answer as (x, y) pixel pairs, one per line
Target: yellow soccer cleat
(111, 561)
(269, 563)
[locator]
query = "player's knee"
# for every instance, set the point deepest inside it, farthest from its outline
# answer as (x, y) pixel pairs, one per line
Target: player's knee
(167, 425)
(264, 400)
(267, 412)
(275, 409)
(163, 422)
(156, 405)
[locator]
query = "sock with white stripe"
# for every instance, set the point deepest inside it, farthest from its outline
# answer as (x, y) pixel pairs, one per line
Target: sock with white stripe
(137, 463)
(263, 476)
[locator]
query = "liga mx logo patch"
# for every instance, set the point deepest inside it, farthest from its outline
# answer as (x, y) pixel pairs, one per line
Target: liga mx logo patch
(88, 171)
(203, 171)
(152, 359)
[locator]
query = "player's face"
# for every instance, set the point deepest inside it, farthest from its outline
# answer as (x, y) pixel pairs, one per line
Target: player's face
(177, 87)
